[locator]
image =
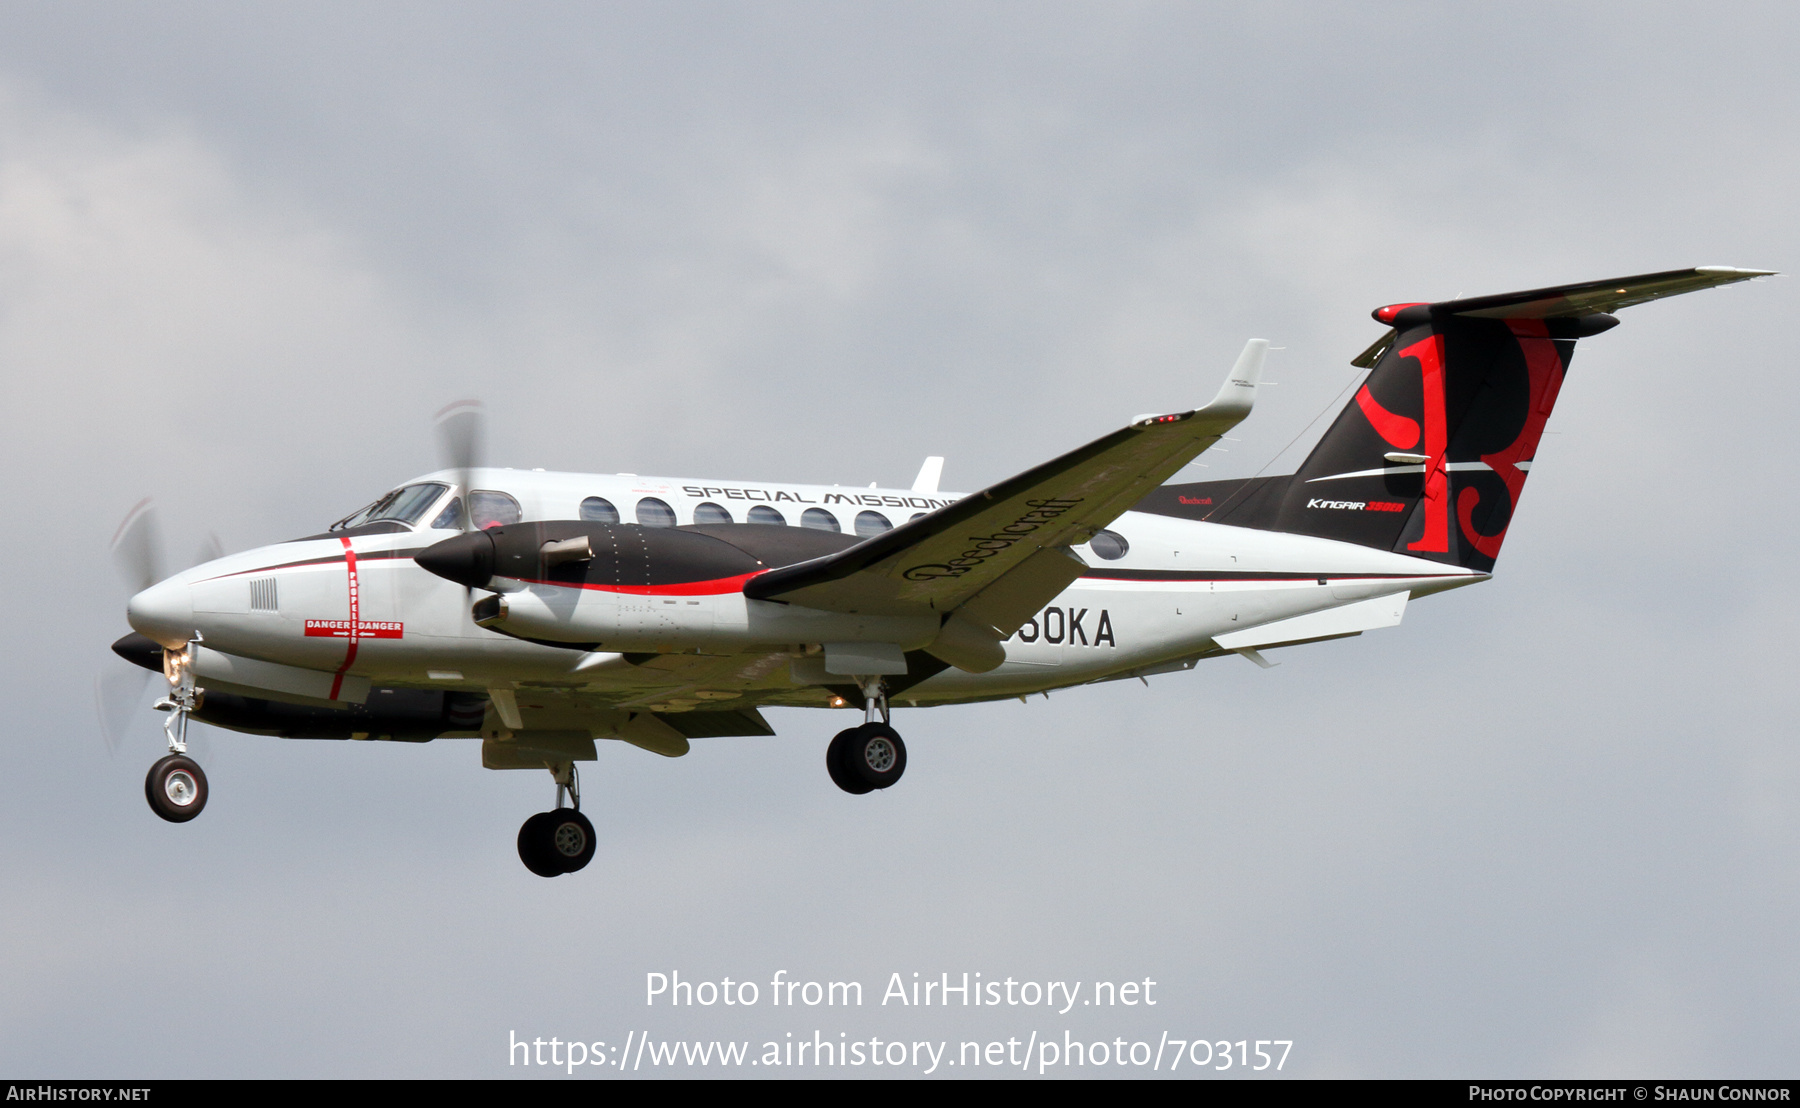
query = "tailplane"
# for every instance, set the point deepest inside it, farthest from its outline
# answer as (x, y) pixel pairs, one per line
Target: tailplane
(1431, 454)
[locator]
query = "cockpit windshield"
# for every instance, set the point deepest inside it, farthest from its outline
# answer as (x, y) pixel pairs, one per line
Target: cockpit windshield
(403, 505)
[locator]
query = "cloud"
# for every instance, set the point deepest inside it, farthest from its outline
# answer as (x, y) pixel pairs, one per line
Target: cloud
(1540, 827)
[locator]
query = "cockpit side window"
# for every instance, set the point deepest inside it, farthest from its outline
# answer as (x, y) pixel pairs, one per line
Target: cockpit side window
(493, 509)
(403, 505)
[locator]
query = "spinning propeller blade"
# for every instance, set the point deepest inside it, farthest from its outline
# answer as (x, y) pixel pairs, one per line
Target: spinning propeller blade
(137, 548)
(139, 556)
(119, 702)
(462, 442)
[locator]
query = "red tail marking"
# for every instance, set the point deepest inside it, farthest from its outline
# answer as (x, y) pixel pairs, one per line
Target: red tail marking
(1545, 367)
(1430, 353)
(1400, 432)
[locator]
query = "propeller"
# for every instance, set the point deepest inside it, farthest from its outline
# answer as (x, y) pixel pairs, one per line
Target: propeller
(141, 560)
(137, 548)
(462, 442)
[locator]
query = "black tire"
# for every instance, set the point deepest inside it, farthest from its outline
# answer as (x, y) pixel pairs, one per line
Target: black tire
(569, 839)
(176, 788)
(534, 847)
(837, 763)
(875, 755)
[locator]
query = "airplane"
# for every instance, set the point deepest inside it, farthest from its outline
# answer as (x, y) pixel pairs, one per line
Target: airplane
(539, 612)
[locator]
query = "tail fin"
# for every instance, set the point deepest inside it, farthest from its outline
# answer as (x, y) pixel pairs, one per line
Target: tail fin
(1430, 456)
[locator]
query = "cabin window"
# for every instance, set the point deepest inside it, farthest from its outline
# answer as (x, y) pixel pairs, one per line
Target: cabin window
(872, 523)
(708, 512)
(1109, 545)
(762, 513)
(598, 509)
(488, 508)
(915, 515)
(819, 520)
(652, 512)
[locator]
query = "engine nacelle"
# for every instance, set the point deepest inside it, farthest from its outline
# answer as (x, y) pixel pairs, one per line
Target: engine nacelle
(626, 588)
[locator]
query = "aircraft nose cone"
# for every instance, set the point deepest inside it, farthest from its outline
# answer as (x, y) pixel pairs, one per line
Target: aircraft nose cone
(163, 612)
(466, 559)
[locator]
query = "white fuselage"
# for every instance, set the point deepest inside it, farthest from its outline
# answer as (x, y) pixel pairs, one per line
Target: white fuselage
(325, 618)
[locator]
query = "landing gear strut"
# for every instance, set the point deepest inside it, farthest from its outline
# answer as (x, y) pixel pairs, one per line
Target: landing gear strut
(863, 759)
(176, 786)
(562, 840)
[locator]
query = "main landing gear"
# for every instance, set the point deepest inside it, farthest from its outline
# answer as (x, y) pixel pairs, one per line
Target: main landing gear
(176, 787)
(562, 840)
(863, 759)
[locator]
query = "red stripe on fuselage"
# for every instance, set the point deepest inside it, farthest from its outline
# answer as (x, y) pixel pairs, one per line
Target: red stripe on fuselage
(337, 680)
(718, 586)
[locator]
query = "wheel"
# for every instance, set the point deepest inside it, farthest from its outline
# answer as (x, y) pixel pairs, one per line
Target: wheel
(553, 843)
(837, 763)
(176, 788)
(534, 847)
(875, 755)
(571, 839)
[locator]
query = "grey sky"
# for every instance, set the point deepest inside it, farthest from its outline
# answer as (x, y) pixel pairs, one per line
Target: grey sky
(1546, 826)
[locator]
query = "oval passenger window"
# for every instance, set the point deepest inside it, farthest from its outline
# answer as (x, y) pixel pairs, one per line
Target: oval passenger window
(598, 509)
(708, 512)
(1109, 545)
(762, 513)
(652, 512)
(872, 523)
(819, 520)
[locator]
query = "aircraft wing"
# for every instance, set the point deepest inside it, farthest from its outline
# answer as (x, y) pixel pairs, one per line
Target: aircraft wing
(998, 555)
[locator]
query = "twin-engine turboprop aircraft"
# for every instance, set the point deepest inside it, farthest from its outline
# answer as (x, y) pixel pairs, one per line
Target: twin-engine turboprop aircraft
(538, 612)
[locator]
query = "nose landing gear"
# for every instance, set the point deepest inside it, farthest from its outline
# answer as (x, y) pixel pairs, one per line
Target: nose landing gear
(559, 841)
(863, 759)
(175, 786)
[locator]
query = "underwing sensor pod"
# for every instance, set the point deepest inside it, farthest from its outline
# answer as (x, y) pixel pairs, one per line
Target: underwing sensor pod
(539, 613)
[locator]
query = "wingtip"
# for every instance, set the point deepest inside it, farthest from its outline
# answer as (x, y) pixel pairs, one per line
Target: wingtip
(1238, 393)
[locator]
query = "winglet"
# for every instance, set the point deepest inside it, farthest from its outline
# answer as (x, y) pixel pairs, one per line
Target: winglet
(1238, 394)
(926, 483)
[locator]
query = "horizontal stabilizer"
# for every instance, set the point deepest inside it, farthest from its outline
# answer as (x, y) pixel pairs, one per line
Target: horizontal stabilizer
(1598, 296)
(1346, 619)
(1561, 301)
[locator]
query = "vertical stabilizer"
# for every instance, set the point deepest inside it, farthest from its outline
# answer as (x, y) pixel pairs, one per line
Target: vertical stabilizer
(1431, 454)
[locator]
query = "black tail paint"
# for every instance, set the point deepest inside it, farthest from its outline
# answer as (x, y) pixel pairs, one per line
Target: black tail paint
(1430, 456)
